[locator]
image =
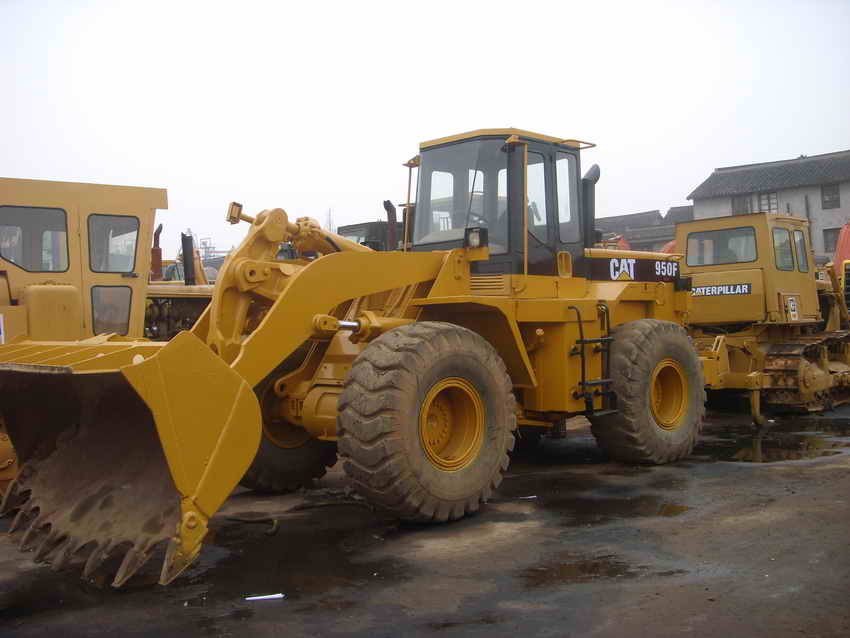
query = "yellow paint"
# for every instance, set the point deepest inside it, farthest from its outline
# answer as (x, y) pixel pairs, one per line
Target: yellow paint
(668, 394)
(507, 132)
(451, 424)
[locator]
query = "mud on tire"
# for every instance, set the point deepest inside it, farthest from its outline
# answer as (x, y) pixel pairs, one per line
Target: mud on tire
(384, 447)
(637, 432)
(277, 470)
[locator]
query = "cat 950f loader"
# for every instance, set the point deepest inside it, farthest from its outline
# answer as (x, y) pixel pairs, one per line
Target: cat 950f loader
(418, 367)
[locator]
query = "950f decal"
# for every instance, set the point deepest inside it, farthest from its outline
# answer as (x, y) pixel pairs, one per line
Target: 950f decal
(633, 269)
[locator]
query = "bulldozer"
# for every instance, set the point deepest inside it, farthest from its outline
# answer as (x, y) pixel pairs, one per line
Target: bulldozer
(72, 267)
(761, 319)
(418, 368)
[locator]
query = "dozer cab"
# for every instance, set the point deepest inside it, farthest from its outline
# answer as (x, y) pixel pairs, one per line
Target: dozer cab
(75, 260)
(760, 317)
(418, 367)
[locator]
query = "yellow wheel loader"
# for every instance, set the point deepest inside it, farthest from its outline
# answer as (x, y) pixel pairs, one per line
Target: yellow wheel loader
(420, 367)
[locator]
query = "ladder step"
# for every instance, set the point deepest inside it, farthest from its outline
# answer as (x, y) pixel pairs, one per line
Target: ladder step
(604, 412)
(596, 340)
(596, 382)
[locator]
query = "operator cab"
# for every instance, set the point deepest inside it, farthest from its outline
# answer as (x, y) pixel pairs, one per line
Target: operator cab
(752, 268)
(479, 180)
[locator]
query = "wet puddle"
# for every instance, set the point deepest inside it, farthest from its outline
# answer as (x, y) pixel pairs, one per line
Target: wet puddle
(575, 569)
(454, 624)
(585, 499)
(313, 564)
(787, 438)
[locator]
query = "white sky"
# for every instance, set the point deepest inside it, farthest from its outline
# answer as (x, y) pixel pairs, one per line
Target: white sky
(315, 105)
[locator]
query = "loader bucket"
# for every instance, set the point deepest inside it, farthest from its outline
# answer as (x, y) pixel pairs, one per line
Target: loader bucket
(119, 459)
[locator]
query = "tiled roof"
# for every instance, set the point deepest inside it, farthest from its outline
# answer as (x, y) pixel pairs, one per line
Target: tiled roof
(771, 176)
(622, 223)
(679, 214)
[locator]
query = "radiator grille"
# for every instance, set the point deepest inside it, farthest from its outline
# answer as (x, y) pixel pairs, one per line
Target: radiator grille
(488, 284)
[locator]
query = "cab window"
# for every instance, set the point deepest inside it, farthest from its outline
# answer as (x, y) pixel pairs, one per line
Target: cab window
(35, 239)
(112, 243)
(565, 168)
(726, 246)
(537, 196)
(111, 309)
(782, 249)
(462, 186)
(802, 253)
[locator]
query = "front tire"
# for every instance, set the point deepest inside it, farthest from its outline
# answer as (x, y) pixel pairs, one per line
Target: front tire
(658, 380)
(426, 421)
(277, 470)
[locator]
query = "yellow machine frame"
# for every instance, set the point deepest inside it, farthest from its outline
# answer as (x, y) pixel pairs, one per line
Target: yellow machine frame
(200, 388)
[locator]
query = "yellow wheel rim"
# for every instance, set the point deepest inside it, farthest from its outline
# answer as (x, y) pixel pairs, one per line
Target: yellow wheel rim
(451, 424)
(669, 394)
(284, 434)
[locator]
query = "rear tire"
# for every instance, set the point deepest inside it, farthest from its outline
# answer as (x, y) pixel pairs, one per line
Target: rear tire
(660, 389)
(426, 421)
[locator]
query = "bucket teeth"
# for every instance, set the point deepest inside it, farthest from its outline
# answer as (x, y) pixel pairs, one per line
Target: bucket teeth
(50, 540)
(19, 520)
(96, 558)
(97, 475)
(12, 498)
(61, 554)
(31, 534)
(133, 560)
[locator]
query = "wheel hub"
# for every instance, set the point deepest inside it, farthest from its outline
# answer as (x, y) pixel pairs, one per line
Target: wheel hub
(669, 394)
(451, 424)
(284, 434)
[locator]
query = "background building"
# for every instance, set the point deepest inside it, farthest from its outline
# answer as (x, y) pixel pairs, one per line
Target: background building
(815, 187)
(648, 230)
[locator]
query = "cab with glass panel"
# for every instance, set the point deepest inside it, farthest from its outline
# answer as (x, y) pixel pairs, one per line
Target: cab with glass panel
(755, 268)
(74, 258)
(479, 180)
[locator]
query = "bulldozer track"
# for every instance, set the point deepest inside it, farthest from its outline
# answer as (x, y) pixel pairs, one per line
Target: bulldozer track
(785, 372)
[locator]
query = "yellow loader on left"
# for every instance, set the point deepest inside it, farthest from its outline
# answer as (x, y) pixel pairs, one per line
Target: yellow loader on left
(75, 264)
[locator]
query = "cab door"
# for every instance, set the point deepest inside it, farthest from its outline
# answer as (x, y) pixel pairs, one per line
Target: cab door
(39, 247)
(794, 266)
(114, 282)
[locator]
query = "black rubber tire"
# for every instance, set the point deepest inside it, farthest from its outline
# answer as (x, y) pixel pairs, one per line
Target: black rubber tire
(278, 470)
(378, 421)
(632, 434)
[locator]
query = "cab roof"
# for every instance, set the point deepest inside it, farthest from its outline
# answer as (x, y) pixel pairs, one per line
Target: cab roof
(507, 132)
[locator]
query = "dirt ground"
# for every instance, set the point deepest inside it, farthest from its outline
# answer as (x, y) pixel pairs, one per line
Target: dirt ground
(748, 537)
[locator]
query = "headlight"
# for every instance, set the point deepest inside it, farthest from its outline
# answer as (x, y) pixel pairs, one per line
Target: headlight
(475, 238)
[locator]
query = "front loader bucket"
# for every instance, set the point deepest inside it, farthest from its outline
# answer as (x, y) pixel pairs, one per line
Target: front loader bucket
(122, 457)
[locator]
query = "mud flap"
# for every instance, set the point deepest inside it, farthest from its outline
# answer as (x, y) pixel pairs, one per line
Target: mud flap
(121, 460)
